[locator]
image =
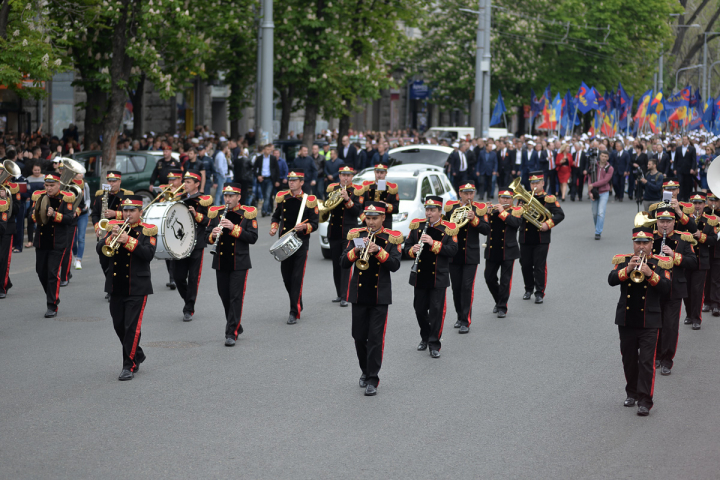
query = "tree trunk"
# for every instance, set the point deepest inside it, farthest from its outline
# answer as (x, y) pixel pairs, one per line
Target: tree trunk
(286, 101)
(235, 110)
(311, 112)
(138, 100)
(4, 15)
(95, 105)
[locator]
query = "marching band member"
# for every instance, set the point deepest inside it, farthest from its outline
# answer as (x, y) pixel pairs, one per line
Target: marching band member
(175, 179)
(286, 213)
(370, 290)
(65, 274)
(128, 280)
(6, 238)
(232, 237)
(677, 246)
(373, 193)
(187, 271)
(712, 283)
(684, 223)
(53, 237)
(433, 250)
(502, 249)
(113, 212)
(535, 243)
(463, 265)
(706, 237)
(343, 218)
(638, 315)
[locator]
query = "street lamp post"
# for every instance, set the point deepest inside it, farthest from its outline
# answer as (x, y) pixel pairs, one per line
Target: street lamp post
(486, 71)
(682, 69)
(481, 103)
(705, 81)
(266, 94)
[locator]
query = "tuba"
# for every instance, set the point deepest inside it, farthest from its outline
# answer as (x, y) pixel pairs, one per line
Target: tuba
(334, 199)
(10, 170)
(535, 212)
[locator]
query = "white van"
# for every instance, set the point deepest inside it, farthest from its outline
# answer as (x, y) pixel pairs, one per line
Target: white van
(453, 133)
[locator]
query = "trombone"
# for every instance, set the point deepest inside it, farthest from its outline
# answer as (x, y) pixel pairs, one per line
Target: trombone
(111, 248)
(363, 263)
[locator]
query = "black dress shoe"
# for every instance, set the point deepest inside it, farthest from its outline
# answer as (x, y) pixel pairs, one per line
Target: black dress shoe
(464, 329)
(336, 300)
(434, 354)
(125, 375)
(643, 411)
(657, 363)
(172, 286)
(107, 297)
(527, 295)
(362, 381)
(50, 313)
(687, 321)
(629, 402)
(229, 342)
(495, 309)
(370, 391)
(457, 324)
(665, 371)
(706, 308)
(187, 317)
(696, 326)
(292, 320)
(343, 303)
(538, 298)
(3, 295)
(64, 283)
(501, 314)
(716, 312)
(422, 346)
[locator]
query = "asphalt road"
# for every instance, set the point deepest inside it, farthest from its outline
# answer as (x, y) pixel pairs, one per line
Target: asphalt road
(535, 395)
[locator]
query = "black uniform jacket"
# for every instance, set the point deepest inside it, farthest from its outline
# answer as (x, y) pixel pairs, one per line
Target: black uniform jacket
(57, 234)
(201, 204)
(502, 242)
(162, 169)
(344, 217)
(707, 224)
(4, 215)
(373, 286)
(684, 222)
(434, 263)
(684, 259)
(233, 246)
(390, 196)
(12, 212)
(529, 233)
(129, 272)
(286, 215)
(468, 235)
(639, 304)
(114, 201)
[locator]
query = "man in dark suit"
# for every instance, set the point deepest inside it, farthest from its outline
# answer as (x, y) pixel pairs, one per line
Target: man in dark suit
(506, 164)
(619, 159)
(577, 180)
(347, 152)
(487, 168)
(267, 172)
(686, 168)
(458, 165)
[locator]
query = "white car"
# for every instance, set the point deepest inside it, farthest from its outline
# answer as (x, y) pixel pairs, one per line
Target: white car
(415, 182)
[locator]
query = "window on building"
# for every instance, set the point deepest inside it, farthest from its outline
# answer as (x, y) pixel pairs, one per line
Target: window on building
(63, 103)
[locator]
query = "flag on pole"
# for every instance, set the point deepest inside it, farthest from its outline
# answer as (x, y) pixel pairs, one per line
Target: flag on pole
(607, 125)
(586, 99)
(624, 114)
(641, 113)
(707, 116)
(535, 106)
(497, 114)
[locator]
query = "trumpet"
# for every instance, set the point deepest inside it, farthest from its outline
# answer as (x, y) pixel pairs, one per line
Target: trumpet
(636, 275)
(363, 263)
(111, 248)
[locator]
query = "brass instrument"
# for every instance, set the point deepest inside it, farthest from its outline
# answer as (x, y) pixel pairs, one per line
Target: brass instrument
(10, 170)
(460, 215)
(636, 275)
(172, 196)
(111, 249)
(103, 223)
(642, 219)
(363, 263)
(334, 199)
(213, 249)
(534, 211)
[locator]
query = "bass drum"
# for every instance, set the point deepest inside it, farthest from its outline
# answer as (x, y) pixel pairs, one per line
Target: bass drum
(176, 230)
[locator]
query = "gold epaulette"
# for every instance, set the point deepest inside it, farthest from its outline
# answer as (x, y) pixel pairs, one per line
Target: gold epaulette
(618, 259)
(99, 193)
(312, 201)
(653, 207)
(359, 189)
(205, 200)
(331, 187)
(518, 211)
(450, 227)
(450, 204)
(68, 197)
(394, 236)
(14, 187)
(127, 192)
(480, 208)
(250, 212)
(664, 262)
(4, 205)
(367, 183)
(392, 188)
(712, 220)
(37, 194)
(149, 230)
(354, 233)
(280, 197)
(416, 223)
(687, 237)
(687, 208)
(550, 199)
(213, 211)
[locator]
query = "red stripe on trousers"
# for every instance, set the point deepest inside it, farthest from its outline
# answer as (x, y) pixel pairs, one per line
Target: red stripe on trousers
(67, 273)
(702, 301)
(442, 322)
(137, 334)
(382, 351)
(301, 284)
(7, 271)
(199, 276)
(545, 285)
(243, 298)
(57, 289)
(347, 293)
(511, 276)
(472, 298)
(677, 338)
(652, 386)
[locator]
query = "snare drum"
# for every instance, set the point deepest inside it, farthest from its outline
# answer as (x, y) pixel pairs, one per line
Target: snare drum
(176, 230)
(286, 246)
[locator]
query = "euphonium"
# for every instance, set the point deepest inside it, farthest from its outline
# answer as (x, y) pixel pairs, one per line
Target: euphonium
(363, 263)
(534, 211)
(111, 248)
(10, 169)
(460, 215)
(636, 275)
(334, 199)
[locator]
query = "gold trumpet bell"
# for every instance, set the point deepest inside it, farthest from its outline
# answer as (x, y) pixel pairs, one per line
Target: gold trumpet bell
(108, 251)
(642, 219)
(362, 264)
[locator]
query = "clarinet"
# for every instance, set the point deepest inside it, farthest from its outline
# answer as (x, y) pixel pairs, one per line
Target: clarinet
(417, 256)
(663, 243)
(213, 250)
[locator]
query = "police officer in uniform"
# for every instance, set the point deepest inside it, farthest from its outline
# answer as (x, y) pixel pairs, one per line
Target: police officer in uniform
(9, 193)
(706, 238)
(535, 242)
(128, 280)
(284, 219)
(175, 179)
(187, 271)
(163, 167)
(231, 237)
(370, 290)
(712, 282)
(678, 246)
(53, 214)
(433, 249)
(638, 315)
(463, 265)
(374, 192)
(342, 219)
(502, 249)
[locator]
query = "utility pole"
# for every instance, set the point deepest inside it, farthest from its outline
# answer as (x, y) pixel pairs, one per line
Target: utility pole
(480, 109)
(476, 111)
(486, 71)
(660, 74)
(266, 95)
(704, 70)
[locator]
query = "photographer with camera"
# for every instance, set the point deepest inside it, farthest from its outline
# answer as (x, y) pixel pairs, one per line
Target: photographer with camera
(599, 185)
(652, 185)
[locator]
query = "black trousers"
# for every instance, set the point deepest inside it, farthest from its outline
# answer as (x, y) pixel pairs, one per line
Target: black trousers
(105, 265)
(618, 182)
(67, 260)
(576, 183)
(127, 314)
(631, 186)
(668, 339)
(368, 331)
(231, 288)
(293, 273)
(5, 260)
(712, 284)
(533, 263)
(637, 346)
(47, 266)
(429, 306)
(499, 291)
(687, 183)
(187, 273)
(696, 294)
(341, 276)
(170, 267)
(462, 279)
